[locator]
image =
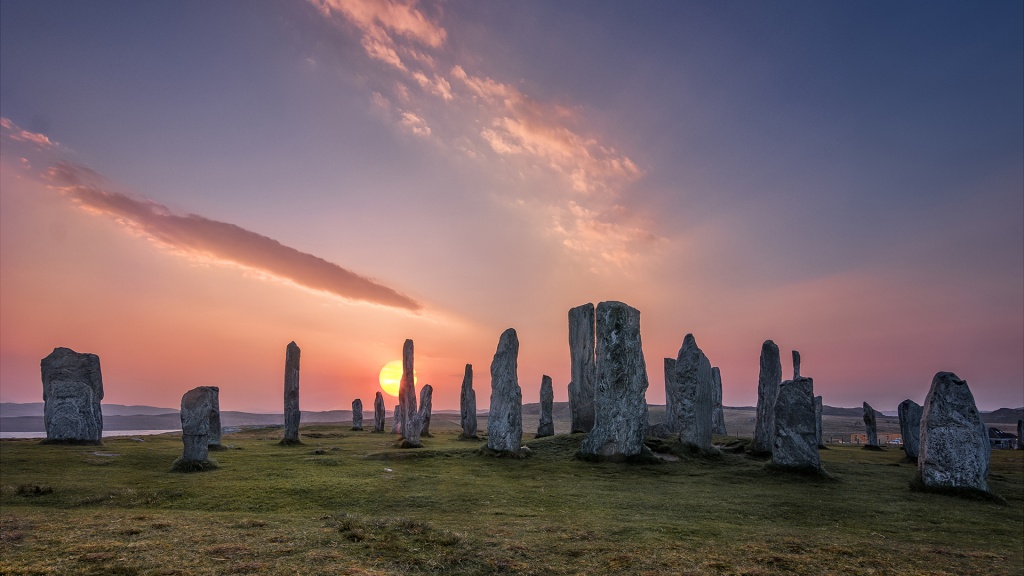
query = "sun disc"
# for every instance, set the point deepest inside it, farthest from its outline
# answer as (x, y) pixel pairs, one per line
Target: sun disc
(391, 377)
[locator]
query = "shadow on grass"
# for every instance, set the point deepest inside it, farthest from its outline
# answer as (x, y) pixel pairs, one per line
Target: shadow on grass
(181, 465)
(918, 485)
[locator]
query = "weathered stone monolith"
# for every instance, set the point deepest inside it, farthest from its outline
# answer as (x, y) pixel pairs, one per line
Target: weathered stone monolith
(546, 427)
(582, 366)
(396, 421)
(796, 364)
(620, 416)
(378, 412)
(357, 414)
(213, 442)
(292, 413)
(412, 425)
(718, 416)
(818, 409)
(72, 391)
(768, 381)
(693, 396)
(671, 423)
(426, 406)
(197, 407)
(909, 413)
(954, 451)
(794, 442)
(505, 419)
(467, 405)
(871, 426)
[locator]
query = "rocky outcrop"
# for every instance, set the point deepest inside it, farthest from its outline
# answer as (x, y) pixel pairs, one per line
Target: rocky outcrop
(505, 418)
(546, 427)
(909, 413)
(768, 381)
(620, 417)
(954, 451)
(871, 426)
(794, 442)
(292, 413)
(693, 396)
(718, 413)
(72, 391)
(357, 414)
(467, 405)
(582, 366)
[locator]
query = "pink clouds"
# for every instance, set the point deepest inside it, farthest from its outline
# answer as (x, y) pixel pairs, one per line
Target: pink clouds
(16, 133)
(203, 239)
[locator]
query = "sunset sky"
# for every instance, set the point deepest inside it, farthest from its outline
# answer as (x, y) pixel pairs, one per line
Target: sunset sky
(188, 187)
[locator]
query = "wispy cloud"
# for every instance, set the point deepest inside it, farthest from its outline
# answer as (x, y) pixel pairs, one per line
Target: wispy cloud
(434, 95)
(18, 134)
(206, 239)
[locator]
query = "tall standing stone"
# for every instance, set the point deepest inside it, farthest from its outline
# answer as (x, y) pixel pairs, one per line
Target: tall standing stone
(794, 442)
(72, 391)
(620, 417)
(768, 381)
(505, 419)
(213, 442)
(871, 426)
(426, 406)
(582, 366)
(467, 404)
(796, 364)
(292, 414)
(718, 416)
(954, 451)
(693, 395)
(546, 427)
(671, 424)
(378, 412)
(818, 409)
(410, 418)
(357, 414)
(909, 413)
(197, 406)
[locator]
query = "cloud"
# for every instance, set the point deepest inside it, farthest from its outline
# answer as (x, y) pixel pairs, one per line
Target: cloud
(376, 18)
(416, 124)
(16, 133)
(204, 238)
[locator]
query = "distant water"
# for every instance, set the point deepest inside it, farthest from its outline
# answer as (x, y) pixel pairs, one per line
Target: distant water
(110, 434)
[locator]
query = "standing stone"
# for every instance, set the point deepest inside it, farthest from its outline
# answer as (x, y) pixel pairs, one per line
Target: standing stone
(718, 416)
(768, 381)
(796, 364)
(910, 427)
(818, 409)
(72, 390)
(357, 414)
(1020, 434)
(426, 405)
(410, 418)
(547, 400)
(693, 396)
(620, 417)
(292, 414)
(505, 419)
(583, 367)
(795, 443)
(871, 426)
(396, 421)
(197, 406)
(213, 442)
(671, 424)
(467, 404)
(954, 451)
(378, 412)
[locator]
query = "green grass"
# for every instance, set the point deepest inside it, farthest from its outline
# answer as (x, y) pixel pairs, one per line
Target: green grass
(349, 502)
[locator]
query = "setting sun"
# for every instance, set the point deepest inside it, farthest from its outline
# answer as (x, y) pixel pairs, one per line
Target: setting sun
(391, 377)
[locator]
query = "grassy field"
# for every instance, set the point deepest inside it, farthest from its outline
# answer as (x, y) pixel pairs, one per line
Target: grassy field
(349, 503)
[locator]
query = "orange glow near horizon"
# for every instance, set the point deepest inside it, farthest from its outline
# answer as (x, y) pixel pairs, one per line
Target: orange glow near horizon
(391, 377)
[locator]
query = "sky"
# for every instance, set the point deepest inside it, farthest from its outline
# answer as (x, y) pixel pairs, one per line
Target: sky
(187, 187)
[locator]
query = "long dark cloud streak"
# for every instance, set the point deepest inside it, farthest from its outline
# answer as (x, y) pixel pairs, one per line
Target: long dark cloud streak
(222, 241)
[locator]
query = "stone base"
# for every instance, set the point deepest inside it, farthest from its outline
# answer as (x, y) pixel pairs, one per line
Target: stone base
(918, 485)
(181, 465)
(71, 442)
(464, 437)
(520, 454)
(290, 442)
(403, 443)
(646, 456)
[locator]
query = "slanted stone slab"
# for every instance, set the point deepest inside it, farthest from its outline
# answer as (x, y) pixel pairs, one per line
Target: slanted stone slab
(818, 409)
(412, 424)
(72, 391)
(871, 427)
(909, 413)
(620, 417)
(292, 413)
(505, 418)
(357, 414)
(546, 427)
(426, 406)
(693, 396)
(582, 366)
(768, 381)
(378, 412)
(467, 405)
(795, 442)
(718, 415)
(197, 405)
(954, 451)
